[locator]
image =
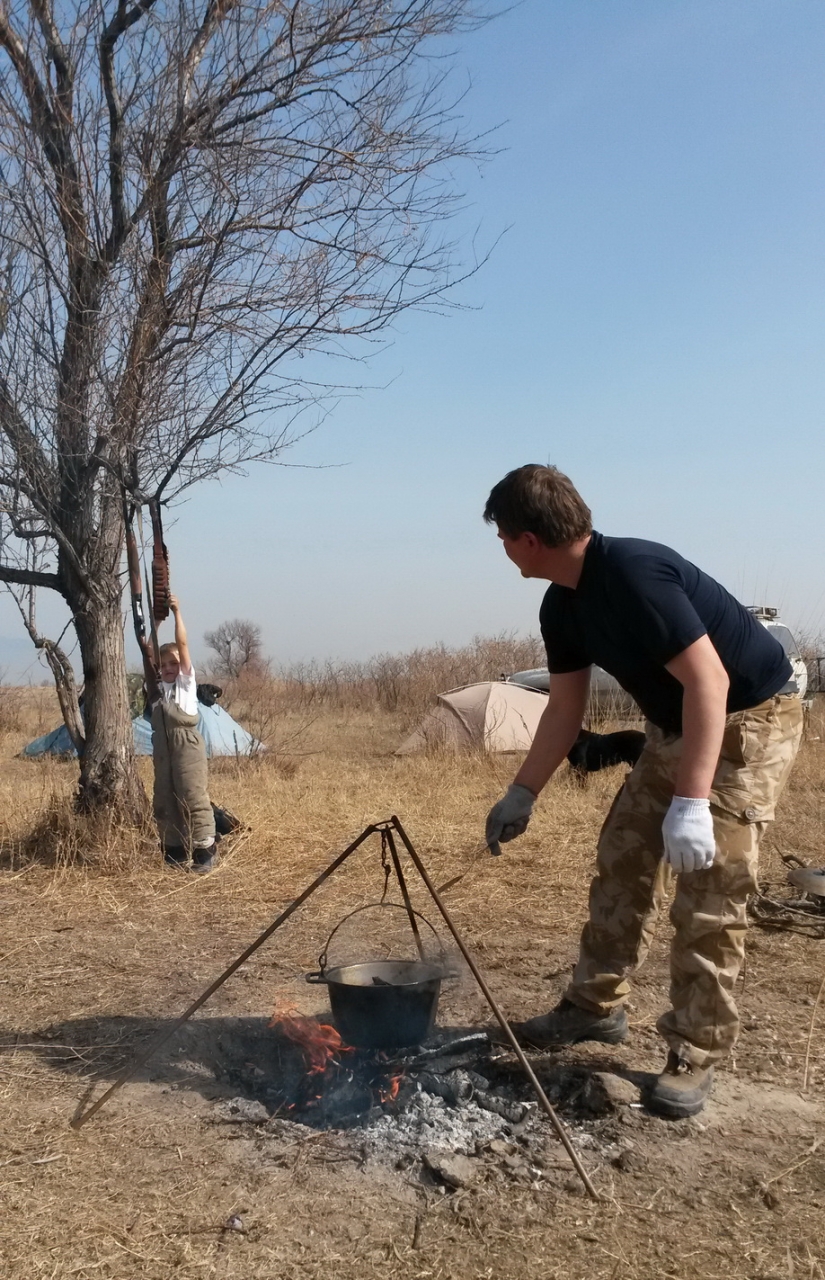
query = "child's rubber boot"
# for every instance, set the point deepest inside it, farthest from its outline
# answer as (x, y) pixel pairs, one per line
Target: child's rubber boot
(175, 856)
(205, 860)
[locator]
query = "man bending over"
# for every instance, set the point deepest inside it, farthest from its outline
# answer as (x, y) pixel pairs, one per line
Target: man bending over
(721, 735)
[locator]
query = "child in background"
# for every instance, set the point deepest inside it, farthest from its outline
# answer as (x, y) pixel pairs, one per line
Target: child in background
(182, 807)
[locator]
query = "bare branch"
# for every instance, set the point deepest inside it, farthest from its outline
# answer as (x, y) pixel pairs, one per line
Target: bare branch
(28, 578)
(124, 19)
(60, 666)
(57, 54)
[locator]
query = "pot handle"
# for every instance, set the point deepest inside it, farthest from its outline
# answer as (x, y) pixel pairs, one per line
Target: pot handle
(398, 906)
(316, 979)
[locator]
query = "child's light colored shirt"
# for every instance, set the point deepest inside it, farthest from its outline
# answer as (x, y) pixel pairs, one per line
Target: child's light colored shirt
(183, 692)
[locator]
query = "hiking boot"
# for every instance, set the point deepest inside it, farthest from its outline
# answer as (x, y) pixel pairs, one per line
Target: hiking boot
(568, 1024)
(174, 856)
(204, 860)
(681, 1089)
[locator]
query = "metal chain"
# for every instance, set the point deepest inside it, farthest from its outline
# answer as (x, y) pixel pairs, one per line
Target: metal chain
(386, 865)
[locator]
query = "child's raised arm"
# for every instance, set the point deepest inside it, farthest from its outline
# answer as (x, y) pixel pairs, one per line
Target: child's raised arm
(180, 638)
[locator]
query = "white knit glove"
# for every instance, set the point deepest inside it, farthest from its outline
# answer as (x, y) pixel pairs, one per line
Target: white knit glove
(509, 817)
(690, 844)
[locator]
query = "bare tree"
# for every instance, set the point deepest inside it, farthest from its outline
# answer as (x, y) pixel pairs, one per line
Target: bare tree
(192, 194)
(238, 646)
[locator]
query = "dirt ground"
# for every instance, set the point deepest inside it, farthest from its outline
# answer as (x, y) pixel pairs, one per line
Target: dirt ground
(99, 954)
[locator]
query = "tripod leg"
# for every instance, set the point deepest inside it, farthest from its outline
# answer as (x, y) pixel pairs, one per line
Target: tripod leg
(166, 1034)
(544, 1101)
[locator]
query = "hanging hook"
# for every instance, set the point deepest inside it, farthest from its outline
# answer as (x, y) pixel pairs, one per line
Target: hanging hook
(385, 862)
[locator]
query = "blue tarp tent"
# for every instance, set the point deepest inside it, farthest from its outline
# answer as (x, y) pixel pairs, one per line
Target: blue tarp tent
(223, 736)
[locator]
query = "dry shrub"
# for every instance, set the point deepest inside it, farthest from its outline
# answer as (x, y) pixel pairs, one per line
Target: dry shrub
(406, 683)
(30, 710)
(812, 650)
(260, 765)
(11, 708)
(610, 709)
(268, 711)
(62, 838)
(815, 718)
(292, 711)
(289, 710)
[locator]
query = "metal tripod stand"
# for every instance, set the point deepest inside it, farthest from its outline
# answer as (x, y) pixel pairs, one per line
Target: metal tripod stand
(387, 830)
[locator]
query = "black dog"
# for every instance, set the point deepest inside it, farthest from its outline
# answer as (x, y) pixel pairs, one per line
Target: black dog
(208, 694)
(594, 751)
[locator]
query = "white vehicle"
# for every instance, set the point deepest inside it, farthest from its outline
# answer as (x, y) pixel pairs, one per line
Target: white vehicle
(772, 622)
(608, 699)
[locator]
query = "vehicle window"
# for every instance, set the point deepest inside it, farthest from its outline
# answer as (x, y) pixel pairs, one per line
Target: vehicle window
(783, 635)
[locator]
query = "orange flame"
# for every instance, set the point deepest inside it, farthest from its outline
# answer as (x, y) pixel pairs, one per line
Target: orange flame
(391, 1088)
(319, 1042)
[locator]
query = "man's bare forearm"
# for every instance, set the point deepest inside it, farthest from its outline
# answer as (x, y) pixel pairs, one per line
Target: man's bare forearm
(557, 730)
(704, 708)
(703, 724)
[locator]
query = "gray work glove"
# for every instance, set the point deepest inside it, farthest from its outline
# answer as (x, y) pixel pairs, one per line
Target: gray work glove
(509, 817)
(690, 844)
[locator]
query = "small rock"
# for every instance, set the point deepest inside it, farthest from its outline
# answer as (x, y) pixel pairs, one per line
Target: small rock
(499, 1147)
(630, 1161)
(241, 1109)
(455, 1171)
(605, 1093)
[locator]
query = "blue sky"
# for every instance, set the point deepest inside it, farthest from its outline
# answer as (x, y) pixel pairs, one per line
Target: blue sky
(651, 320)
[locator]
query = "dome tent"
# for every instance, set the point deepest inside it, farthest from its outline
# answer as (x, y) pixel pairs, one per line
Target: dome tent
(223, 736)
(492, 715)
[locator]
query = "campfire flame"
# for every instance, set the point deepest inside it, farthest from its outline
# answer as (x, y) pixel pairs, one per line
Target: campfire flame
(322, 1050)
(319, 1042)
(390, 1090)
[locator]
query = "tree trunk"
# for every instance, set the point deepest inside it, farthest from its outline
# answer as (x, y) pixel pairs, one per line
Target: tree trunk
(108, 778)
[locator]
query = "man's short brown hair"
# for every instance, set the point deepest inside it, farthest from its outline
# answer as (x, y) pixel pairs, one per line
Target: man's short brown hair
(539, 500)
(169, 648)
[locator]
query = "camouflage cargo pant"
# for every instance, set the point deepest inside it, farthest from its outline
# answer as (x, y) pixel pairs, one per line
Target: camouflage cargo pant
(709, 907)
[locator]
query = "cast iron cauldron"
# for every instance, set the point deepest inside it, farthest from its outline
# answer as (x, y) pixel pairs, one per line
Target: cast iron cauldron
(384, 1004)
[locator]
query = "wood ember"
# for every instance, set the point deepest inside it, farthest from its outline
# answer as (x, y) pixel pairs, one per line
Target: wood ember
(475, 1042)
(515, 1112)
(453, 1095)
(456, 1087)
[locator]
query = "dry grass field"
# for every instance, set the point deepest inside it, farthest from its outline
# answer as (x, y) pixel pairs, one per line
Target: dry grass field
(101, 946)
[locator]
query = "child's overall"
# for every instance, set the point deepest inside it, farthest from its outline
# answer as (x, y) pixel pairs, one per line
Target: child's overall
(182, 807)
